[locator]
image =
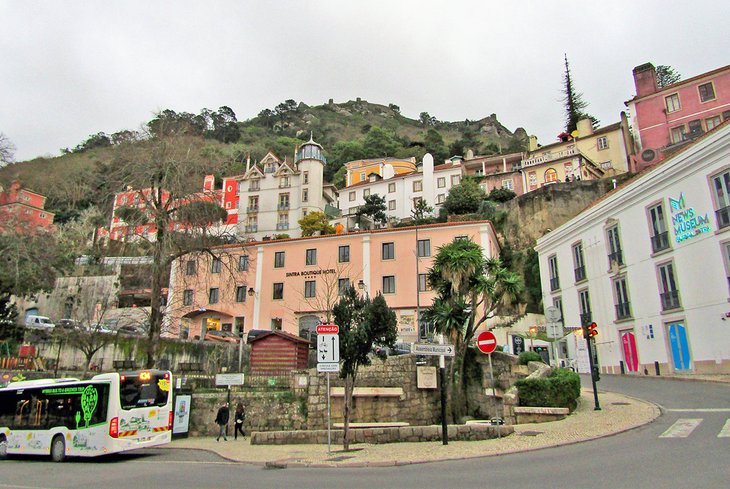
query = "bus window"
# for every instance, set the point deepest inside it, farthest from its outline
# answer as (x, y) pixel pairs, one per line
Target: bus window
(144, 389)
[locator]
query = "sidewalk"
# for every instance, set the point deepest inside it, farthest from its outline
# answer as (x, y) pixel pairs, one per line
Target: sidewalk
(619, 413)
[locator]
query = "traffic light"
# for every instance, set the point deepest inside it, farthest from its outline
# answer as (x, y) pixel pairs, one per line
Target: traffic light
(592, 330)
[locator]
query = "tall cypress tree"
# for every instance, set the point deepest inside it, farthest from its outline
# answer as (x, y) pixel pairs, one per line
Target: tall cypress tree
(574, 104)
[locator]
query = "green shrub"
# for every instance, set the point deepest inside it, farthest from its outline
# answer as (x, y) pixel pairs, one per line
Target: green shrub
(529, 356)
(560, 389)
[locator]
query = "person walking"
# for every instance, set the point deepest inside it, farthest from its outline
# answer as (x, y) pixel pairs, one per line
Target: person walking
(221, 419)
(240, 416)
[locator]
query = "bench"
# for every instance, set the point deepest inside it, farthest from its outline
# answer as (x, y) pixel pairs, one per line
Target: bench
(124, 365)
(368, 392)
(385, 424)
(526, 414)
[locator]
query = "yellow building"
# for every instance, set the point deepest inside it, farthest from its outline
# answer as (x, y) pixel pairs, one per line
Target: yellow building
(360, 170)
(588, 155)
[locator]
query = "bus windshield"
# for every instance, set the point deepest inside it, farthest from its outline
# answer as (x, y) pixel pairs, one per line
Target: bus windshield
(144, 389)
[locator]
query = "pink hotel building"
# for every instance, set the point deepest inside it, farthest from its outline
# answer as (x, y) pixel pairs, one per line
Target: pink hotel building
(289, 284)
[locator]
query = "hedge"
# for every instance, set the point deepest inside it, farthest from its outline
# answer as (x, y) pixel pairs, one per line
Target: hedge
(529, 356)
(559, 389)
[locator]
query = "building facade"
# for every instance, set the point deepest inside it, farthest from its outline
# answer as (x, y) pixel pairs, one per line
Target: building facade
(663, 119)
(361, 170)
(650, 264)
(23, 210)
(291, 284)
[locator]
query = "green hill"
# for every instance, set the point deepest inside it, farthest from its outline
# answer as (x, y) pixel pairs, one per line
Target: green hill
(347, 131)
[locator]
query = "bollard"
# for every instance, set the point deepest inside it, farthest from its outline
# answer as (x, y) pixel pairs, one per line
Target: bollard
(656, 367)
(623, 367)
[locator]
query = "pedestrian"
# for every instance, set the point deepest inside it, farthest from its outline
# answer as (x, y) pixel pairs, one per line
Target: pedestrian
(240, 417)
(221, 419)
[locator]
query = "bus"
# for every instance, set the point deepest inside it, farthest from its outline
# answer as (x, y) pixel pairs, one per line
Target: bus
(111, 412)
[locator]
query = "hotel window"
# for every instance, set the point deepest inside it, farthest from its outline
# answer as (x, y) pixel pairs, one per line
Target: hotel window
(423, 285)
(424, 247)
(508, 184)
(677, 134)
(584, 307)
(551, 175)
(305, 195)
(351, 196)
(188, 297)
(366, 193)
(228, 205)
(441, 182)
(615, 255)
(282, 221)
(707, 92)
(454, 180)
(389, 284)
(310, 289)
(253, 203)
(461, 238)
(671, 102)
(726, 260)
(342, 285)
(391, 187)
(283, 201)
(621, 298)
(658, 224)
(191, 267)
(440, 198)
(276, 324)
(418, 186)
(362, 176)
(213, 295)
(306, 177)
(215, 266)
(388, 251)
(254, 185)
(602, 143)
(713, 122)
(243, 263)
(579, 262)
(279, 258)
(278, 291)
(668, 291)
(241, 293)
(553, 270)
(391, 205)
(343, 254)
(721, 198)
(311, 257)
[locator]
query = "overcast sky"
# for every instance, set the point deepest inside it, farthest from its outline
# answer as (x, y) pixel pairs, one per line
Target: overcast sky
(74, 68)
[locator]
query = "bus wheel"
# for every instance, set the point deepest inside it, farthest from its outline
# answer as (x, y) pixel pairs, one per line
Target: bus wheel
(3, 447)
(58, 449)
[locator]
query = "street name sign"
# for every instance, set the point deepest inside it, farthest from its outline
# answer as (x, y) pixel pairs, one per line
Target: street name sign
(328, 367)
(229, 379)
(486, 342)
(431, 349)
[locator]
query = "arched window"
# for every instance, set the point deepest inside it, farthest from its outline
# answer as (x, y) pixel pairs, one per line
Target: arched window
(551, 175)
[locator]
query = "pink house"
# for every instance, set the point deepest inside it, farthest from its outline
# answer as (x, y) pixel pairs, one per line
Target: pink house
(664, 119)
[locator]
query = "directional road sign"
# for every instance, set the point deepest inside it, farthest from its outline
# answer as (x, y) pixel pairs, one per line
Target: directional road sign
(486, 342)
(328, 348)
(431, 349)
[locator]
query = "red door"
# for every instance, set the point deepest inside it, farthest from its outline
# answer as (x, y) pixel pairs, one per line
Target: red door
(628, 340)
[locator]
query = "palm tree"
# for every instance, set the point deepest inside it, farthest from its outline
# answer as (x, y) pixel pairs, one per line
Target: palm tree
(470, 289)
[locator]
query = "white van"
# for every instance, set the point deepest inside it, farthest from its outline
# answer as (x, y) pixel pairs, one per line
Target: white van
(39, 322)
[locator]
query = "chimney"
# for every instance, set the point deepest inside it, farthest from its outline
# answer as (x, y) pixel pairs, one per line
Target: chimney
(532, 146)
(585, 128)
(645, 80)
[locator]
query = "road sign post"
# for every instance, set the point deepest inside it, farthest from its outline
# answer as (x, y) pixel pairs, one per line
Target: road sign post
(328, 360)
(487, 343)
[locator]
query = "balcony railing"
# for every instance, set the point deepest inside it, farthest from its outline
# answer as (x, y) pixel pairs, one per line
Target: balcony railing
(580, 273)
(282, 225)
(660, 242)
(670, 300)
(252, 228)
(616, 257)
(623, 310)
(554, 283)
(252, 209)
(723, 217)
(284, 185)
(254, 188)
(283, 206)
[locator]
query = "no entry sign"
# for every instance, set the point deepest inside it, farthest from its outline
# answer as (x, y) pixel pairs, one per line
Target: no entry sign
(486, 342)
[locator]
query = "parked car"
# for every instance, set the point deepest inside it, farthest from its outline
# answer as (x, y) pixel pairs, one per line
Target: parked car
(39, 322)
(69, 324)
(131, 330)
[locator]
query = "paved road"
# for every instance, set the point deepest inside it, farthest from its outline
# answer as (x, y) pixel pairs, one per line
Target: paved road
(689, 455)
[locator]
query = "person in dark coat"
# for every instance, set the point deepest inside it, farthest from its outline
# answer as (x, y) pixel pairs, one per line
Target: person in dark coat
(221, 419)
(240, 416)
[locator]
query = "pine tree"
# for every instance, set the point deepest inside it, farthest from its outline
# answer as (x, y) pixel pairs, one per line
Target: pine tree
(574, 104)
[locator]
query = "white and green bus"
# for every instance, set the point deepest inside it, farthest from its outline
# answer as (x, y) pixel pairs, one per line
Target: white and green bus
(112, 412)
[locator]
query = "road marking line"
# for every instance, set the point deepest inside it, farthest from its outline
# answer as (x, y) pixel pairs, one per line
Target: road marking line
(700, 410)
(725, 431)
(682, 428)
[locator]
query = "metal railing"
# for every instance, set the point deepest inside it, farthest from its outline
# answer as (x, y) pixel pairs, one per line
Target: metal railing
(283, 206)
(660, 242)
(580, 273)
(282, 225)
(554, 283)
(252, 229)
(617, 257)
(252, 209)
(623, 310)
(670, 300)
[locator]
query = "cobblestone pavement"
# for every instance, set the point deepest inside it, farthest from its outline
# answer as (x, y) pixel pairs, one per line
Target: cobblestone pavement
(619, 413)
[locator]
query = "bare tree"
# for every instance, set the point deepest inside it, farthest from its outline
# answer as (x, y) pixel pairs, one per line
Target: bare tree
(7, 150)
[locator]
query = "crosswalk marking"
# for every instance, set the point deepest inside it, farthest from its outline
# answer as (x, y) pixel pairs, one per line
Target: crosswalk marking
(682, 428)
(725, 431)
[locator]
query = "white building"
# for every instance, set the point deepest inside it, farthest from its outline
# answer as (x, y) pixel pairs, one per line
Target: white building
(274, 194)
(650, 264)
(402, 191)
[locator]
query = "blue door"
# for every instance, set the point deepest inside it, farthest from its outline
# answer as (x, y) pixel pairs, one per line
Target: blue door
(680, 347)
